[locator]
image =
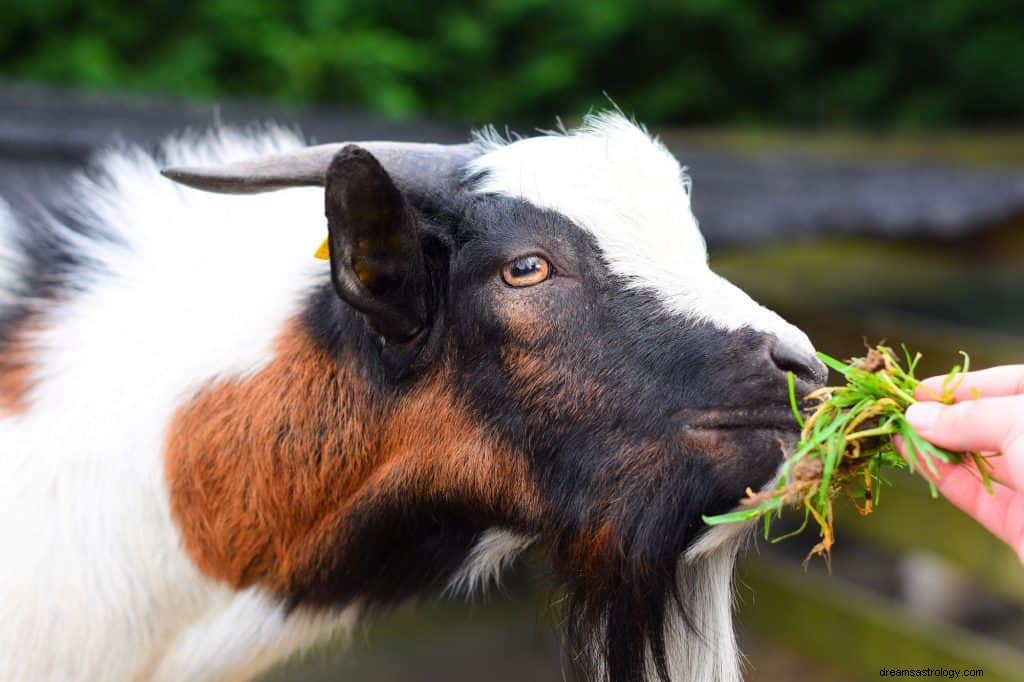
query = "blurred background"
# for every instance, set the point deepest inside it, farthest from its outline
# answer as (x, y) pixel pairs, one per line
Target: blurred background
(858, 165)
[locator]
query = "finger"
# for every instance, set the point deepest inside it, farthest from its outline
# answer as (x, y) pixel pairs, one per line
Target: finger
(1001, 513)
(1001, 469)
(998, 466)
(985, 425)
(992, 382)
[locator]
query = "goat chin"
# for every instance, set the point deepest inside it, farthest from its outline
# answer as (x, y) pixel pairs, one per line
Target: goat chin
(703, 651)
(706, 649)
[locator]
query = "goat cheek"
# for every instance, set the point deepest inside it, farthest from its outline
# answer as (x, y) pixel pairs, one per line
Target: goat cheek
(254, 475)
(525, 322)
(268, 490)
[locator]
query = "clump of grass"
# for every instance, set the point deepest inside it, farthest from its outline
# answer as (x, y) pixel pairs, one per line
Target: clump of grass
(846, 444)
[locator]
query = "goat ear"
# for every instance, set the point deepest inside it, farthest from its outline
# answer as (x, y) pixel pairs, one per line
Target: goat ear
(376, 258)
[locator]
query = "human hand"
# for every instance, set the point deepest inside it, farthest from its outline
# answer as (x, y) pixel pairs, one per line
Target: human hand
(988, 417)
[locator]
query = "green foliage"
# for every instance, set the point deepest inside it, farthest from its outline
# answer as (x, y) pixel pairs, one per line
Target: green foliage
(682, 61)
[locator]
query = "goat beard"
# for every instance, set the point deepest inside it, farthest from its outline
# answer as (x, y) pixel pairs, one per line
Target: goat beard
(644, 622)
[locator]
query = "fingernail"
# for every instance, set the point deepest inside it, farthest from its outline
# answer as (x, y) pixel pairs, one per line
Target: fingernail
(922, 416)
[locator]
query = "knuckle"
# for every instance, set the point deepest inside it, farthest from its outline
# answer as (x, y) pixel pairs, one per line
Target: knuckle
(1016, 430)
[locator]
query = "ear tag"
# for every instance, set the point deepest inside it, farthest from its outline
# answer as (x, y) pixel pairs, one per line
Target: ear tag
(324, 251)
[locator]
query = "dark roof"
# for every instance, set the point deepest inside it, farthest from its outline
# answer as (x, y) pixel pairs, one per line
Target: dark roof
(46, 132)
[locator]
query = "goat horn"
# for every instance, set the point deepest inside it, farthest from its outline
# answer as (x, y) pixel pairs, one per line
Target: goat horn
(410, 164)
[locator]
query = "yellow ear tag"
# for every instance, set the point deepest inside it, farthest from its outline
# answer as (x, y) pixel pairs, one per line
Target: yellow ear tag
(324, 252)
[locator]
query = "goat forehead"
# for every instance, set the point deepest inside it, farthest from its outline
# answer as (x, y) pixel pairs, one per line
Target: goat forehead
(626, 189)
(610, 178)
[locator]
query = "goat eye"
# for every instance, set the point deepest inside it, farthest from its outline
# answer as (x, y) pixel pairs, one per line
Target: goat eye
(526, 271)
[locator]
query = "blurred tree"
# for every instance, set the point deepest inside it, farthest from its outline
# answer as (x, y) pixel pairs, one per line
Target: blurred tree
(800, 62)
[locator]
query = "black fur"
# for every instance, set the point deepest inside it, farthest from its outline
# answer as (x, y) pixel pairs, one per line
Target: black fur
(403, 548)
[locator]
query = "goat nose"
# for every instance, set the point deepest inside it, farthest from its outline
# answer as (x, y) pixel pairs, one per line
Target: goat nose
(790, 357)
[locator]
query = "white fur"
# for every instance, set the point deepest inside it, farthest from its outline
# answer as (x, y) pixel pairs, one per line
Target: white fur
(246, 636)
(491, 555)
(710, 654)
(624, 187)
(93, 583)
(705, 650)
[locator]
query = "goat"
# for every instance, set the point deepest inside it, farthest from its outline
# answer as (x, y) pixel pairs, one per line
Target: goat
(218, 450)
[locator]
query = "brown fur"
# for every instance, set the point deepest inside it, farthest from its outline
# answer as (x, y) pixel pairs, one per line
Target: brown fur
(263, 471)
(16, 368)
(551, 387)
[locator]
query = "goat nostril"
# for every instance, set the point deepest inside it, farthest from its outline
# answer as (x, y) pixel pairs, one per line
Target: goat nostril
(804, 365)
